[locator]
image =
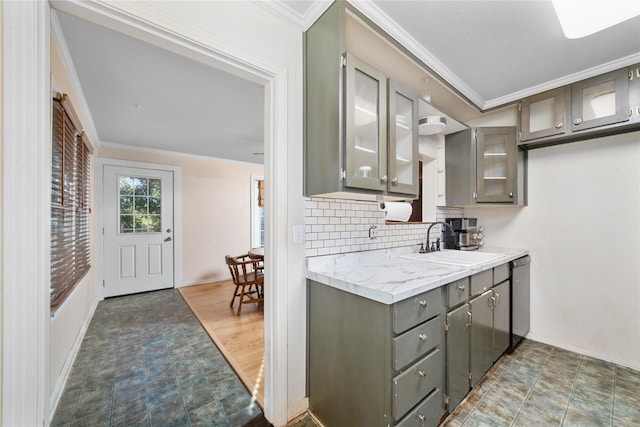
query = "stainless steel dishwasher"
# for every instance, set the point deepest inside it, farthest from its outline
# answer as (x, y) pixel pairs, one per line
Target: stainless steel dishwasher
(520, 299)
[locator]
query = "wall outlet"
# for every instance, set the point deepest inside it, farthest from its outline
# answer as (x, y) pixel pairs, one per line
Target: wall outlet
(298, 234)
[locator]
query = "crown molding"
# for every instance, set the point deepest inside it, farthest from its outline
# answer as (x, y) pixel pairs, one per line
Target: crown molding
(160, 151)
(373, 12)
(58, 35)
(301, 21)
(563, 81)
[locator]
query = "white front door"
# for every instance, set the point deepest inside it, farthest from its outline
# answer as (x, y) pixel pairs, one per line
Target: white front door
(138, 230)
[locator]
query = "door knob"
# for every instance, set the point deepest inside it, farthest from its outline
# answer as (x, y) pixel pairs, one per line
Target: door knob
(168, 239)
(168, 230)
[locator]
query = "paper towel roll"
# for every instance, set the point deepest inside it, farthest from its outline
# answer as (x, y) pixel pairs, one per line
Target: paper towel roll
(396, 211)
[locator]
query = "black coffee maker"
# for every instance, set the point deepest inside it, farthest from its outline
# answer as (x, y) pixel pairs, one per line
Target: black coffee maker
(466, 235)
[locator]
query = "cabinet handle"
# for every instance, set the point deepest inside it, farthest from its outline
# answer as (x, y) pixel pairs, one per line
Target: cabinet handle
(511, 195)
(496, 299)
(461, 287)
(395, 180)
(469, 314)
(559, 125)
(423, 303)
(577, 121)
(422, 418)
(422, 374)
(423, 337)
(492, 302)
(384, 178)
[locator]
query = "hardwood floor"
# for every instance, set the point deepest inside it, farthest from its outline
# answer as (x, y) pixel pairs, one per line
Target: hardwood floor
(239, 337)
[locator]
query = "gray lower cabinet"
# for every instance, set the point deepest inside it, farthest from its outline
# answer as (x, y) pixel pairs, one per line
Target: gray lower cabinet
(489, 333)
(477, 329)
(481, 335)
(458, 323)
(501, 320)
(374, 364)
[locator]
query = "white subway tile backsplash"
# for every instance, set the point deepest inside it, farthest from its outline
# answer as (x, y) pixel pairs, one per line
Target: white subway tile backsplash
(343, 226)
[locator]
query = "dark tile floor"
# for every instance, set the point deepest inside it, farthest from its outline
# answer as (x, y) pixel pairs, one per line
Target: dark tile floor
(146, 361)
(541, 385)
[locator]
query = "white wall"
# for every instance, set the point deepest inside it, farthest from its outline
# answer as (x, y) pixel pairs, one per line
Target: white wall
(69, 323)
(582, 226)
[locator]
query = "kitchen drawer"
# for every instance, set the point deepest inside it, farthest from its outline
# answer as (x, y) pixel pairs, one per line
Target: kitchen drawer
(457, 292)
(415, 310)
(500, 273)
(411, 386)
(427, 413)
(416, 342)
(482, 281)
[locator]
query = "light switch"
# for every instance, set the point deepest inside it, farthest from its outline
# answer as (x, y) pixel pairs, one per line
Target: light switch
(298, 235)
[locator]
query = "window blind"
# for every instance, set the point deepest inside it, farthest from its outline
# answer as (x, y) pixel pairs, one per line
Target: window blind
(70, 206)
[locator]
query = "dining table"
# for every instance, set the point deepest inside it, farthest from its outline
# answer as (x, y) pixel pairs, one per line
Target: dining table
(257, 253)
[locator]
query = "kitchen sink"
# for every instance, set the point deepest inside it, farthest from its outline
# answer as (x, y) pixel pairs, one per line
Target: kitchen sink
(453, 257)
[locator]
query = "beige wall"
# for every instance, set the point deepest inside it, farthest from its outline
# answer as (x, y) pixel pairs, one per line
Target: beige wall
(73, 315)
(215, 209)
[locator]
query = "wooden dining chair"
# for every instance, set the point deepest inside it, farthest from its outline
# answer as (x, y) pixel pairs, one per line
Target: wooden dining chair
(248, 277)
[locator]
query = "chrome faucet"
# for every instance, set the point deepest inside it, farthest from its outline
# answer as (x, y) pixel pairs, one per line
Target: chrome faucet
(435, 246)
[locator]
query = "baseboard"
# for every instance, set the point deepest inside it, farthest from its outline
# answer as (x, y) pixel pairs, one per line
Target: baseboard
(297, 408)
(56, 393)
(583, 351)
(203, 282)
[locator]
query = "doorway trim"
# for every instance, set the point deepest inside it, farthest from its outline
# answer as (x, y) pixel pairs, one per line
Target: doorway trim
(26, 226)
(177, 214)
(172, 34)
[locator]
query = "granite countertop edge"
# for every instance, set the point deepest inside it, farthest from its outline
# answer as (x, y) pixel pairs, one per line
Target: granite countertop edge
(384, 276)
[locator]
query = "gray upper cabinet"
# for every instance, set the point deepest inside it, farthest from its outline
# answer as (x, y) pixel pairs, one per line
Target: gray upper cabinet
(600, 101)
(403, 140)
(543, 115)
(599, 106)
(361, 130)
(366, 126)
(481, 166)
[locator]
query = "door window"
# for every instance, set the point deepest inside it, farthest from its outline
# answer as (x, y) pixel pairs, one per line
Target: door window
(140, 203)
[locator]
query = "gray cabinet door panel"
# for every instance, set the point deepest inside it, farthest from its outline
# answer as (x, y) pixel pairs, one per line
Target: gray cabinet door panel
(416, 342)
(501, 295)
(481, 336)
(600, 100)
(458, 354)
(482, 281)
(415, 383)
(418, 309)
(426, 414)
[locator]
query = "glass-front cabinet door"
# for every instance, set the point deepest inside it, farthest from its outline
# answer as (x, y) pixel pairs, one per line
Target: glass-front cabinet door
(600, 101)
(496, 165)
(365, 126)
(403, 140)
(543, 115)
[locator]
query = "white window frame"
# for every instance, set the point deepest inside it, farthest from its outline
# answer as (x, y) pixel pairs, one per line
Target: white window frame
(256, 242)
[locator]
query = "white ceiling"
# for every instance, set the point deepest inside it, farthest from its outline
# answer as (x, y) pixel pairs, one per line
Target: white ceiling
(492, 52)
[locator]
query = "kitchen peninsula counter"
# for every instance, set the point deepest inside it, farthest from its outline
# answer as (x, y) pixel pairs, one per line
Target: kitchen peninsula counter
(384, 276)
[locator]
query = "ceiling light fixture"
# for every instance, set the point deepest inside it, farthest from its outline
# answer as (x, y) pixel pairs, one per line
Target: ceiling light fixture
(583, 18)
(431, 125)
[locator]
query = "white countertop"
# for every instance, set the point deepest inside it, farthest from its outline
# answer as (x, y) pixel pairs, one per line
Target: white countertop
(383, 276)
